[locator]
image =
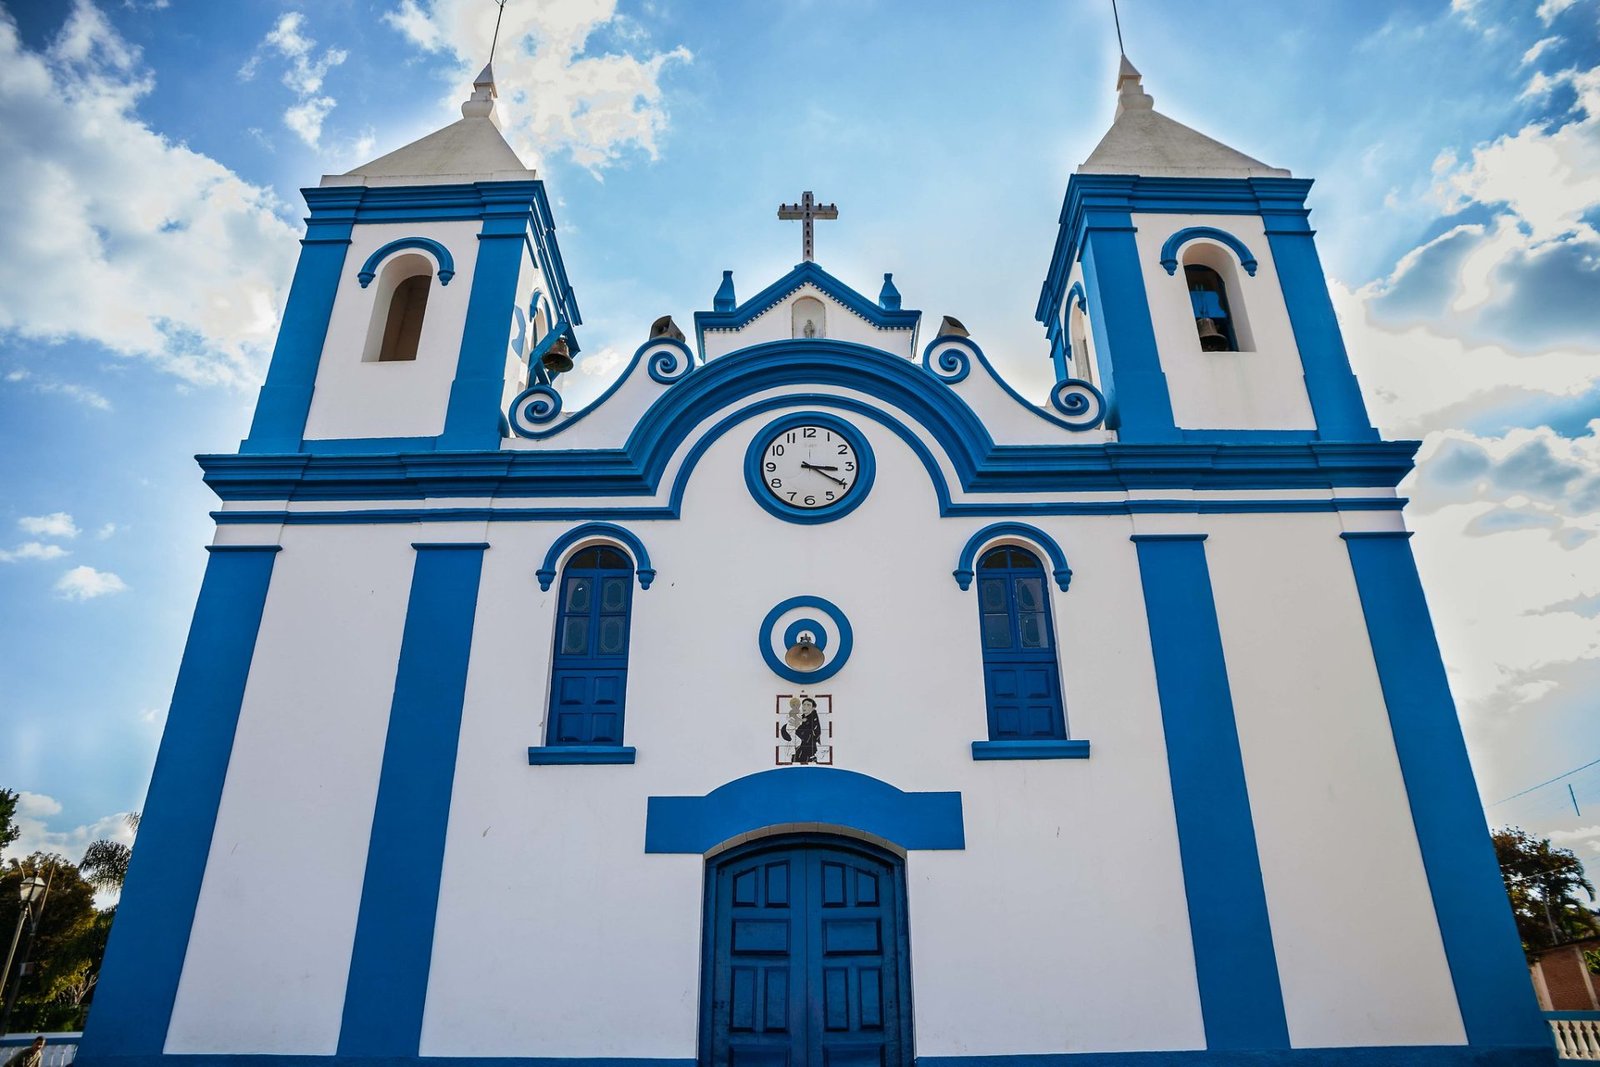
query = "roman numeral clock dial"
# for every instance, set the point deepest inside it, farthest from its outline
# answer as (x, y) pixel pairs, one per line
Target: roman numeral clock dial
(809, 467)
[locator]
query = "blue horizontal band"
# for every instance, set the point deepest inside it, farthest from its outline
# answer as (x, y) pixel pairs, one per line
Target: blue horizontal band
(1365, 535)
(1139, 538)
(1053, 748)
(244, 548)
(556, 755)
(477, 546)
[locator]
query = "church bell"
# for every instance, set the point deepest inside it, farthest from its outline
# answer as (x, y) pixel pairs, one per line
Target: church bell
(1211, 338)
(557, 359)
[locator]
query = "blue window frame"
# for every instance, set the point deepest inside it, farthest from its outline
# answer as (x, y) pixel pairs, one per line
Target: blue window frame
(1020, 674)
(589, 678)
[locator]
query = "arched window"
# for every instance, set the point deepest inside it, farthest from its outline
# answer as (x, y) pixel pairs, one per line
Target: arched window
(589, 679)
(1078, 332)
(810, 318)
(400, 300)
(1215, 299)
(1020, 674)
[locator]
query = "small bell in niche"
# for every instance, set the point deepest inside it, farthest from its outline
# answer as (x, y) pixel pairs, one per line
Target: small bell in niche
(557, 358)
(803, 655)
(1212, 339)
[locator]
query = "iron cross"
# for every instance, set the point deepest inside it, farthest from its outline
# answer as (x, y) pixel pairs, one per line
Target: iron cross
(806, 211)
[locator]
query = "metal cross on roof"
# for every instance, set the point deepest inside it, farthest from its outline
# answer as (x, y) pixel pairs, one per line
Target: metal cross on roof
(806, 211)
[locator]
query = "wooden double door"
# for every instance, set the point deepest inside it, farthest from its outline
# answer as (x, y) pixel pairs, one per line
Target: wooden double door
(806, 957)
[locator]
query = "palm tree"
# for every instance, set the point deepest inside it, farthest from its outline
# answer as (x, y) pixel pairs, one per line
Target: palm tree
(105, 863)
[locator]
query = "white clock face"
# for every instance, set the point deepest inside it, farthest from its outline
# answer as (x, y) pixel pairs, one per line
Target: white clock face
(810, 467)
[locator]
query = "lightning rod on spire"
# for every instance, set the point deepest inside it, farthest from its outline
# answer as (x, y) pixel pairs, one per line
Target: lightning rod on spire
(495, 41)
(1114, 18)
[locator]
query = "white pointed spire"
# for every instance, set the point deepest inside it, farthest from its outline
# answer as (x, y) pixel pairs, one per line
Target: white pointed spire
(1130, 89)
(1144, 141)
(480, 105)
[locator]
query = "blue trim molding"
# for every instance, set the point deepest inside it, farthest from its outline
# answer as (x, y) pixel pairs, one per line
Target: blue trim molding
(393, 951)
(787, 795)
(755, 480)
(569, 755)
(1020, 531)
(1047, 748)
(949, 359)
(831, 666)
(528, 419)
(1172, 245)
(735, 318)
(1236, 967)
(441, 256)
(598, 531)
(1480, 937)
(144, 958)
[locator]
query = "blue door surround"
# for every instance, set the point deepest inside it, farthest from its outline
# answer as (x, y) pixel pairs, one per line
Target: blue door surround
(806, 962)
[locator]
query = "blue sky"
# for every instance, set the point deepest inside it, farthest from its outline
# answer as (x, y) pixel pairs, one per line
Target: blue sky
(152, 152)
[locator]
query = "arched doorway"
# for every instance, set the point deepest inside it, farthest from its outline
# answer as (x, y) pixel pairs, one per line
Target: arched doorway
(806, 956)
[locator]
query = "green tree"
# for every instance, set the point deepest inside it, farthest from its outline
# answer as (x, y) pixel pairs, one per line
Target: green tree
(63, 951)
(9, 830)
(1543, 883)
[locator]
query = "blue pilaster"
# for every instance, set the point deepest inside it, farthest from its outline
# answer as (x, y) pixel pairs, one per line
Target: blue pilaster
(1480, 936)
(388, 983)
(1241, 1000)
(285, 399)
(473, 419)
(1130, 364)
(1335, 394)
(144, 959)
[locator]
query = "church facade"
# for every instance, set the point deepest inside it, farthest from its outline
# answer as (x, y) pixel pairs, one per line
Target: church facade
(812, 698)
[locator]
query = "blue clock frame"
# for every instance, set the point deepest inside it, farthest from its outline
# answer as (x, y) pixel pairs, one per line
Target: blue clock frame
(867, 466)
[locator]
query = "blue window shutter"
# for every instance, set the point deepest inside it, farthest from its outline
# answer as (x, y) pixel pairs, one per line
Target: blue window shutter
(589, 676)
(1022, 682)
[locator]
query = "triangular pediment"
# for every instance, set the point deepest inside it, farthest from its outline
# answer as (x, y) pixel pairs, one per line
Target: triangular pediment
(850, 314)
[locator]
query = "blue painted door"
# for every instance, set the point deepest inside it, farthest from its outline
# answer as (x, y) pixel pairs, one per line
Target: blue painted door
(806, 957)
(1020, 676)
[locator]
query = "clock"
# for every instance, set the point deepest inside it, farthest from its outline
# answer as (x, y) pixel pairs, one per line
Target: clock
(809, 467)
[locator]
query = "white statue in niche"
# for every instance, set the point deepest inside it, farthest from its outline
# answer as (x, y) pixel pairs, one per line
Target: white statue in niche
(810, 318)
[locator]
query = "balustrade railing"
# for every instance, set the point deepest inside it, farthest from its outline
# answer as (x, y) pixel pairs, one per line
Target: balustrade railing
(1576, 1033)
(60, 1048)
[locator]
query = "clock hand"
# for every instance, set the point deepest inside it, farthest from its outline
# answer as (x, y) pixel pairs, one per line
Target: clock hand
(816, 467)
(837, 481)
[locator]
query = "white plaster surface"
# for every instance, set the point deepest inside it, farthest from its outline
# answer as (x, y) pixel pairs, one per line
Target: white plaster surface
(353, 398)
(1359, 953)
(270, 948)
(549, 906)
(1262, 389)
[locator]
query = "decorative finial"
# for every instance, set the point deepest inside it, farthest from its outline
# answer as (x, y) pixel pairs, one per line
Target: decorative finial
(1130, 89)
(725, 300)
(889, 296)
(807, 211)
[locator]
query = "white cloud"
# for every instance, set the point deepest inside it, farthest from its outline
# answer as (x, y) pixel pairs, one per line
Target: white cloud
(1546, 176)
(1539, 48)
(56, 524)
(186, 260)
(105, 531)
(86, 583)
(32, 550)
(1549, 9)
(604, 362)
(596, 108)
(304, 76)
(34, 812)
(81, 393)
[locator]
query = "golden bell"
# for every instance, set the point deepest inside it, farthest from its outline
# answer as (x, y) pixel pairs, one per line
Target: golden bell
(1211, 338)
(557, 360)
(804, 655)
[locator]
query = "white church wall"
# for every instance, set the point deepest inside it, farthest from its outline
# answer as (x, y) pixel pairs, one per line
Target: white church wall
(1359, 953)
(270, 948)
(358, 398)
(1260, 389)
(549, 906)
(777, 324)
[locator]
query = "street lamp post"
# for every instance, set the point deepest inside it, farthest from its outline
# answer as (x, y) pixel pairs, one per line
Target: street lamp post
(34, 891)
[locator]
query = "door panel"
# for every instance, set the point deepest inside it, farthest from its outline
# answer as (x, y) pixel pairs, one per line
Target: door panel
(806, 963)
